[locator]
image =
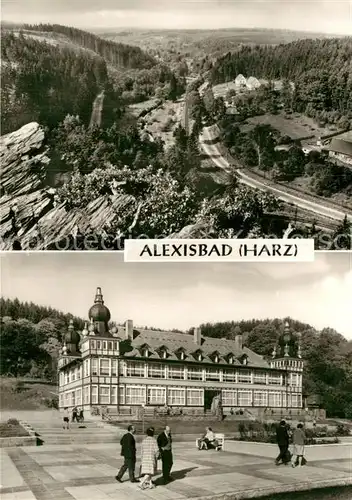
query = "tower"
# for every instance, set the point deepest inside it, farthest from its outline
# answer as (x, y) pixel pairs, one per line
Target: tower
(99, 316)
(287, 356)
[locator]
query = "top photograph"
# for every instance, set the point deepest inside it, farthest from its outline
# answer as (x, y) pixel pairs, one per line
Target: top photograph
(178, 119)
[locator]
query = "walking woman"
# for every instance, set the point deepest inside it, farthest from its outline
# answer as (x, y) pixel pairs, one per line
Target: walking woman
(298, 439)
(149, 459)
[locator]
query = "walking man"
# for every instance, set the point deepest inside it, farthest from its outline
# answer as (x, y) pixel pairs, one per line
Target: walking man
(165, 447)
(282, 439)
(128, 451)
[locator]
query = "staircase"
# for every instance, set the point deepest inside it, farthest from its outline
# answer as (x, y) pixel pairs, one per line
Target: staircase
(49, 430)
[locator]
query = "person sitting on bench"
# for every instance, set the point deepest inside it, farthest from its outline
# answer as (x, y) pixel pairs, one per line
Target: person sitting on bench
(208, 440)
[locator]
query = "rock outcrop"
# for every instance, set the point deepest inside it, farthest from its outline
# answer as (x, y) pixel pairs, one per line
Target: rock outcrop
(29, 216)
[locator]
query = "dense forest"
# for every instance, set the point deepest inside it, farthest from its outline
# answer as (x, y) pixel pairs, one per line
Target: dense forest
(320, 69)
(117, 54)
(43, 83)
(31, 336)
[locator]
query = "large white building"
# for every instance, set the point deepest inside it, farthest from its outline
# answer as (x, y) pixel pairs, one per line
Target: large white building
(125, 368)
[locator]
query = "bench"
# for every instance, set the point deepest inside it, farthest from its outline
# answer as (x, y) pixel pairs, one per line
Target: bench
(220, 438)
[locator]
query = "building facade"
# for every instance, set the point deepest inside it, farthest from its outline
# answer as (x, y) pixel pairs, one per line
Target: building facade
(126, 368)
(341, 148)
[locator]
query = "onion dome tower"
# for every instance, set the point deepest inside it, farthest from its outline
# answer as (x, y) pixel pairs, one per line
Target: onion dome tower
(99, 316)
(287, 350)
(71, 340)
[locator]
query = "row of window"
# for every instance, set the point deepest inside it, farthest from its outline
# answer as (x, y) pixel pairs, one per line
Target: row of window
(109, 345)
(292, 363)
(175, 396)
(109, 367)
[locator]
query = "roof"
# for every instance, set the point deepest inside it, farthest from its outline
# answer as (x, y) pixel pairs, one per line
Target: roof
(342, 144)
(253, 82)
(173, 342)
(240, 79)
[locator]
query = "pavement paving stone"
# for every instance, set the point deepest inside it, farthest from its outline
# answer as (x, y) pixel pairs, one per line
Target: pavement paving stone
(9, 474)
(86, 472)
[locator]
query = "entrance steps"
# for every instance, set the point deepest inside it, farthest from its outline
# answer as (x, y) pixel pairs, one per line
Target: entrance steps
(51, 431)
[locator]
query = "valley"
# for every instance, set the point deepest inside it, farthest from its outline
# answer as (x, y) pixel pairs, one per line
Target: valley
(116, 144)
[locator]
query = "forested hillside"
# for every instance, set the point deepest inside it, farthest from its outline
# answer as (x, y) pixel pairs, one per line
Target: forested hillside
(31, 336)
(43, 82)
(320, 69)
(117, 54)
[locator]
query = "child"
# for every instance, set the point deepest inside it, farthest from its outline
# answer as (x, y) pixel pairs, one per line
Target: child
(66, 419)
(298, 440)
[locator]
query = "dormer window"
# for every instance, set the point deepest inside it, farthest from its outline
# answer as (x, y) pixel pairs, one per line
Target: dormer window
(164, 354)
(182, 355)
(244, 360)
(199, 357)
(145, 352)
(231, 360)
(216, 358)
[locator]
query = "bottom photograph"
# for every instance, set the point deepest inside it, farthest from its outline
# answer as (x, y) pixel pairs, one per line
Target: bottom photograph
(173, 381)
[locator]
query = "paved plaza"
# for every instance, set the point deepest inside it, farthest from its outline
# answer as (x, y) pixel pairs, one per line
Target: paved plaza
(243, 470)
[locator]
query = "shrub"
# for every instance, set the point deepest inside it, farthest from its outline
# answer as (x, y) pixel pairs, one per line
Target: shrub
(13, 421)
(52, 402)
(342, 430)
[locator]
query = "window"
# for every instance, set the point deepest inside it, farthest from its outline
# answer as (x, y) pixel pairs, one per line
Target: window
(114, 367)
(78, 373)
(230, 359)
(156, 370)
(244, 360)
(145, 352)
(229, 376)
(195, 397)
(105, 366)
(294, 379)
(115, 345)
(110, 345)
(86, 395)
(104, 394)
(216, 359)
(259, 378)
(135, 395)
(92, 344)
(244, 398)
(182, 356)
(62, 379)
(104, 345)
(121, 394)
(274, 379)
(244, 376)
(176, 397)
(296, 400)
(73, 375)
(200, 357)
(156, 395)
(113, 395)
(66, 378)
(79, 396)
(134, 369)
(212, 374)
(259, 398)
(228, 398)
(176, 372)
(194, 374)
(274, 399)
(94, 364)
(163, 353)
(98, 344)
(94, 394)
